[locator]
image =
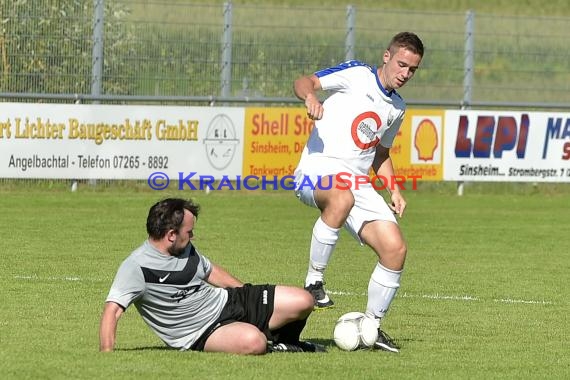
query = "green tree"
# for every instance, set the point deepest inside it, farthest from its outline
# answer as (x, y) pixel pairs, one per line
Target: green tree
(46, 46)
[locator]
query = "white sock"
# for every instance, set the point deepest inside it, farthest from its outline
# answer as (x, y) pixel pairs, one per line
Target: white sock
(323, 242)
(382, 288)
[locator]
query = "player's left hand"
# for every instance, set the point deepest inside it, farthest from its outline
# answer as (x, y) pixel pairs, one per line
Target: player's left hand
(398, 203)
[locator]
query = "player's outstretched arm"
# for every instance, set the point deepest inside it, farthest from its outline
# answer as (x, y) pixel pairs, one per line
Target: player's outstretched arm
(221, 278)
(108, 327)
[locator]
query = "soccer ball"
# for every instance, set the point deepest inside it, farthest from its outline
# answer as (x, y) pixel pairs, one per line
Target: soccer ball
(355, 330)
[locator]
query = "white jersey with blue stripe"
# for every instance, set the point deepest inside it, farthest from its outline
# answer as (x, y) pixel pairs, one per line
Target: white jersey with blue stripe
(359, 115)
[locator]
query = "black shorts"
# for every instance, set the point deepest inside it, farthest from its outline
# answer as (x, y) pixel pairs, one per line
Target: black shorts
(252, 304)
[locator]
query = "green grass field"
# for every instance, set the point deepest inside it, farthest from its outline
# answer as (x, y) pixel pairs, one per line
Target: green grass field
(484, 295)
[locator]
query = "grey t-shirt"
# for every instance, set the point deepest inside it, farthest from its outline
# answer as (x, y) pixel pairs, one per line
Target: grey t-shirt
(170, 293)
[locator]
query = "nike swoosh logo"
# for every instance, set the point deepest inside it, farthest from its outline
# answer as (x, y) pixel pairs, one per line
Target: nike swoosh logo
(162, 279)
(324, 300)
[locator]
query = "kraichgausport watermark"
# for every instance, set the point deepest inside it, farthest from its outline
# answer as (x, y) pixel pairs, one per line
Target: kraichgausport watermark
(342, 181)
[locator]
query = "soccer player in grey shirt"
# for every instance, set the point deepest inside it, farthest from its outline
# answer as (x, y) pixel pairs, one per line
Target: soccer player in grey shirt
(192, 303)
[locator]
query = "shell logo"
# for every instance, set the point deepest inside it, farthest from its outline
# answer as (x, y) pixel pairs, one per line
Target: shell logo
(426, 140)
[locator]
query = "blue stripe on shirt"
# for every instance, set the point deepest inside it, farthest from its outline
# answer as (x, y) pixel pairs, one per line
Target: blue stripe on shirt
(340, 67)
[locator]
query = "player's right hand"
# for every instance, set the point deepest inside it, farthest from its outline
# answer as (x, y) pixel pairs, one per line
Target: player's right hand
(314, 107)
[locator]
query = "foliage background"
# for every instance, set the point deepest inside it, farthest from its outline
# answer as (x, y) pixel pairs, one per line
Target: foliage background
(173, 48)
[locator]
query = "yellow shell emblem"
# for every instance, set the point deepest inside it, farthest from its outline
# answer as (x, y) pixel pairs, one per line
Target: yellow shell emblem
(426, 140)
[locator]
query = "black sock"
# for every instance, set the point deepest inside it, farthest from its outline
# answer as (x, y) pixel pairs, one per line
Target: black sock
(289, 333)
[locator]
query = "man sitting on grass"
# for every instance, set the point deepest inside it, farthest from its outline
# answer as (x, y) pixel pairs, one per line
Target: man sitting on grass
(194, 304)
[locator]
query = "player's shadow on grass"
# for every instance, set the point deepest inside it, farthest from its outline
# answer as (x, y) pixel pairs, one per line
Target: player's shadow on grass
(328, 343)
(146, 348)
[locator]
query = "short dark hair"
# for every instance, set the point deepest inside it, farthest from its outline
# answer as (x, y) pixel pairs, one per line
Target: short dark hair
(407, 40)
(167, 215)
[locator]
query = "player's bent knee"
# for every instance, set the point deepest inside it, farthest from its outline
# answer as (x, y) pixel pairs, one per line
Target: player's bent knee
(335, 199)
(253, 343)
(397, 256)
(402, 250)
(302, 302)
(398, 250)
(306, 302)
(335, 209)
(343, 200)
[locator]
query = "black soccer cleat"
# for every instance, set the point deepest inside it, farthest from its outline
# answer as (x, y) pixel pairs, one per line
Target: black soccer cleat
(301, 346)
(311, 347)
(322, 300)
(284, 347)
(385, 343)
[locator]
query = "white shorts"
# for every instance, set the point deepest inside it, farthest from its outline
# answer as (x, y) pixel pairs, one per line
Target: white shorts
(368, 204)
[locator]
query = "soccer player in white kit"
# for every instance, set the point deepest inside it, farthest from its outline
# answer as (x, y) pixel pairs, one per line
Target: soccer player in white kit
(353, 132)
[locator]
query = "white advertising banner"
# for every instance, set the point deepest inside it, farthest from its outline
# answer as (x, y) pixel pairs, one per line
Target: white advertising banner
(120, 142)
(507, 146)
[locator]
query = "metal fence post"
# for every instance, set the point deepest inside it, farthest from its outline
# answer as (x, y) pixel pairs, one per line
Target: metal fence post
(350, 32)
(97, 57)
(468, 64)
(226, 64)
(96, 61)
(468, 67)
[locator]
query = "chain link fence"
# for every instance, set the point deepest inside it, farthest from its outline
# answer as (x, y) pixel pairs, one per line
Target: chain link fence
(172, 51)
